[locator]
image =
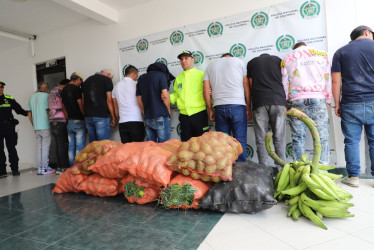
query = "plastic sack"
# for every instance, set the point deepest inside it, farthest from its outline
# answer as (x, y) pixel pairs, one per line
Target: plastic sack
(208, 157)
(90, 154)
(197, 187)
(144, 160)
(99, 186)
(68, 182)
(250, 191)
(149, 193)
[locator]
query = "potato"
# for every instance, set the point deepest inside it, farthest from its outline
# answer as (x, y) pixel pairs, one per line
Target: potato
(186, 172)
(200, 166)
(217, 154)
(173, 159)
(185, 155)
(210, 169)
(191, 164)
(194, 147)
(209, 160)
(195, 176)
(206, 148)
(215, 178)
(199, 155)
(222, 163)
(205, 178)
(184, 146)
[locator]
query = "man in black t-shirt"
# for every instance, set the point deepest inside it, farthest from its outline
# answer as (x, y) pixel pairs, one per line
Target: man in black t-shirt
(353, 91)
(268, 103)
(72, 105)
(155, 109)
(98, 105)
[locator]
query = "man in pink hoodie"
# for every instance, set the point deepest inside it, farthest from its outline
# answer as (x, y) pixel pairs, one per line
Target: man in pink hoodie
(307, 83)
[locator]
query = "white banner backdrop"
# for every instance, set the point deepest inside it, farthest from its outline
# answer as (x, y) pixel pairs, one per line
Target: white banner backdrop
(273, 30)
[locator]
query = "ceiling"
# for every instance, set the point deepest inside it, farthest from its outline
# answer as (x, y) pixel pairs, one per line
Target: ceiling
(37, 17)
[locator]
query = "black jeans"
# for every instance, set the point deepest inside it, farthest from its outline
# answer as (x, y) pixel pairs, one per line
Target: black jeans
(60, 138)
(8, 133)
(193, 125)
(131, 131)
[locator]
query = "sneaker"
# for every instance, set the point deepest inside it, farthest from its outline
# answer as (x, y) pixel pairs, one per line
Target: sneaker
(60, 171)
(16, 173)
(40, 171)
(352, 181)
(3, 175)
(49, 170)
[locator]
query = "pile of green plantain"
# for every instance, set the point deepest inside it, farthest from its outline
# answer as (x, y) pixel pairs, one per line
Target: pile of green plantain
(306, 186)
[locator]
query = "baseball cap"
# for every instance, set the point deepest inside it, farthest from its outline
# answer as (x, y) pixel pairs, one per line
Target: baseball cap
(77, 74)
(185, 53)
(356, 32)
(3, 83)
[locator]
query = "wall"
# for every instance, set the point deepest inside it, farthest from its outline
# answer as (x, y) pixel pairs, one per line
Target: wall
(90, 46)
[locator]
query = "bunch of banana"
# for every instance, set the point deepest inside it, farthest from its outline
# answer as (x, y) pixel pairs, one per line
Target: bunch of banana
(306, 186)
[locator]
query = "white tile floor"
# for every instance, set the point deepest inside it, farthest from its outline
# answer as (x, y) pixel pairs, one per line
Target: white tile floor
(269, 229)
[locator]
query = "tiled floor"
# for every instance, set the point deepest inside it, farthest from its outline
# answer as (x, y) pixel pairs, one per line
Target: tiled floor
(39, 220)
(271, 229)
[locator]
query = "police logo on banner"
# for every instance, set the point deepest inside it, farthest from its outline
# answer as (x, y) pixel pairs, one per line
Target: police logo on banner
(199, 57)
(142, 45)
(215, 29)
(162, 60)
(124, 69)
(259, 20)
(176, 38)
(310, 9)
(285, 43)
(238, 50)
(250, 151)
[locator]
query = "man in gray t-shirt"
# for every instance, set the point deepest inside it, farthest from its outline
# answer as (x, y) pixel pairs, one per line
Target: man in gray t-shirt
(225, 81)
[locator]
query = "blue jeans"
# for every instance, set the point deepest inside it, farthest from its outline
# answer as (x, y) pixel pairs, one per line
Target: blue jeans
(316, 109)
(98, 128)
(77, 138)
(354, 116)
(158, 129)
(232, 118)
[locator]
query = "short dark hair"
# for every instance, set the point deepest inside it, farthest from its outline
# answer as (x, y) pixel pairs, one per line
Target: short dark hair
(299, 44)
(227, 54)
(75, 77)
(64, 81)
(130, 69)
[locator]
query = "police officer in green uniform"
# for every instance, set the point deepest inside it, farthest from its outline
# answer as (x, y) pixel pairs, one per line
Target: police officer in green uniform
(8, 131)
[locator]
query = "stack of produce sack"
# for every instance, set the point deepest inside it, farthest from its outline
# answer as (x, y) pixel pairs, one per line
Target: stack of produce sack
(208, 157)
(117, 164)
(148, 171)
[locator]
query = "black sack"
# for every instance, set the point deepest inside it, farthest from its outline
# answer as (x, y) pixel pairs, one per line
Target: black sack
(250, 191)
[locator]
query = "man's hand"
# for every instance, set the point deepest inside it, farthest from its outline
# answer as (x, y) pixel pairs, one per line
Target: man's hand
(337, 111)
(212, 115)
(112, 122)
(249, 114)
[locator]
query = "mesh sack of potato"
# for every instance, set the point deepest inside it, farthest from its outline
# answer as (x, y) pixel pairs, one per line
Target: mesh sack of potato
(68, 182)
(99, 186)
(145, 161)
(208, 157)
(90, 154)
(138, 191)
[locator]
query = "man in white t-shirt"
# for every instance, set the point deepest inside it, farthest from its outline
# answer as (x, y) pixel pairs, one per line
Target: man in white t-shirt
(225, 80)
(126, 108)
